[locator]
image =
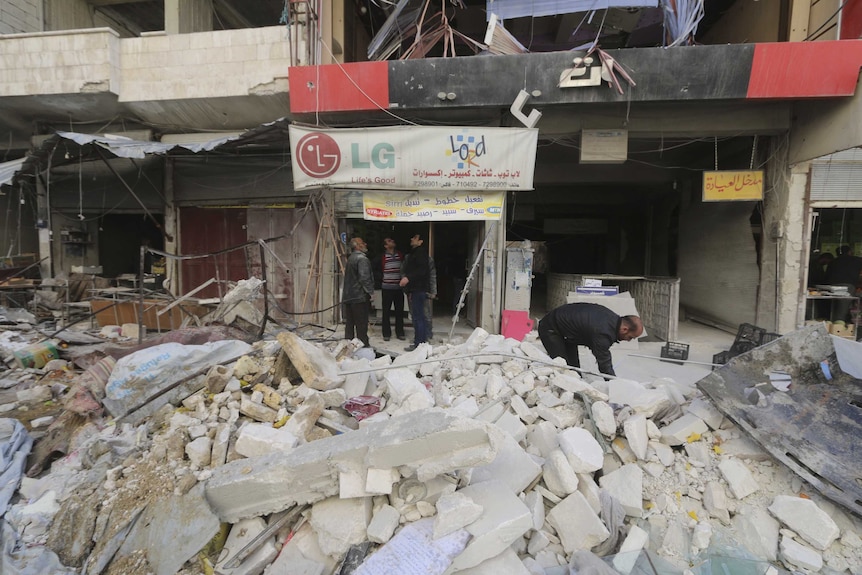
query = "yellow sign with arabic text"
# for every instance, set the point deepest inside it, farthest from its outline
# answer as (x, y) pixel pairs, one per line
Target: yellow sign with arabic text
(430, 207)
(729, 185)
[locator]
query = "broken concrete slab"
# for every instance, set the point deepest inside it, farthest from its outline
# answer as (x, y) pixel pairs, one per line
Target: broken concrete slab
(169, 543)
(585, 533)
(738, 477)
(426, 443)
(340, 523)
(584, 452)
(512, 465)
(317, 367)
(807, 519)
(455, 511)
(626, 486)
(504, 519)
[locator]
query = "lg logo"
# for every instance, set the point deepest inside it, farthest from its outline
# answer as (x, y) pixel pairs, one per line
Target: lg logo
(318, 155)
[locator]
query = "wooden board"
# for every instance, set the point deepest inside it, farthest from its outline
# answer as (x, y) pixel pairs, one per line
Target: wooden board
(127, 312)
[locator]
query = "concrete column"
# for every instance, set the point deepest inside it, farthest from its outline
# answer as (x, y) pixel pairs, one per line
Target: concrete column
(784, 246)
(331, 271)
(43, 223)
(172, 274)
(187, 16)
(492, 272)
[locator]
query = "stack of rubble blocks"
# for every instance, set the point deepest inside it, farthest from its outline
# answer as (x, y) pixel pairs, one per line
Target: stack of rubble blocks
(481, 458)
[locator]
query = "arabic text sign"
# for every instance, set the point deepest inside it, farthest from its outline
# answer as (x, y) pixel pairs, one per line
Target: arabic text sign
(422, 158)
(422, 207)
(730, 185)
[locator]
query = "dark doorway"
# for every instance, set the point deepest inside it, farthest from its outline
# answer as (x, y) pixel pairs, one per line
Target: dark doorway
(120, 240)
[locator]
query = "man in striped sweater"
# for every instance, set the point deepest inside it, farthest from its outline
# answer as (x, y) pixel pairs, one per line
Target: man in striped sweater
(391, 292)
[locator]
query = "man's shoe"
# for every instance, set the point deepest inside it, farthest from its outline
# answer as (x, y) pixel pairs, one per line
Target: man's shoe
(410, 347)
(386, 338)
(401, 337)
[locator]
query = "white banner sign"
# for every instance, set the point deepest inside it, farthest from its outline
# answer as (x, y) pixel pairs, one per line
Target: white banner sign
(422, 207)
(424, 158)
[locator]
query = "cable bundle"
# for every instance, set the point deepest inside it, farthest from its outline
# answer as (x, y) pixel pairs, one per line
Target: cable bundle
(681, 18)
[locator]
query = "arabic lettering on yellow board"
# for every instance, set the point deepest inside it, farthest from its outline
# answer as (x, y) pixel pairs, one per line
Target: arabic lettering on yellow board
(733, 185)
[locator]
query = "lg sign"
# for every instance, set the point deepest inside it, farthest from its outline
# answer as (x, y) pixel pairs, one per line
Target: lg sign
(318, 155)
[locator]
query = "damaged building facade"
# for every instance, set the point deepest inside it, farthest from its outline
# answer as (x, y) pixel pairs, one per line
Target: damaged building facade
(629, 136)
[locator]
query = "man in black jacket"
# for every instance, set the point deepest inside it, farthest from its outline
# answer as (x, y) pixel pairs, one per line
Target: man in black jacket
(415, 283)
(563, 329)
(357, 291)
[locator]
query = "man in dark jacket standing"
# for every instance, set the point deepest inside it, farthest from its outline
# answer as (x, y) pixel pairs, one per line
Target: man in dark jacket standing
(357, 291)
(415, 283)
(589, 324)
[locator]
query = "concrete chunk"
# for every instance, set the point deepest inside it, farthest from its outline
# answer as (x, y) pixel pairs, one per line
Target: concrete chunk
(738, 477)
(574, 384)
(603, 415)
(383, 524)
(625, 559)
(715, 501)
(707, 412)
(504, 519)
(256, 439)
(807, 519)
(454, 511)
(626, 486)
(636, 395)
(585, 533)
(584, 452)
(316, 366)
(635, 429)
(427, 443)
(240, 535)
(758, 530)
(543, 438)
(512, 465)
(506, 563)
(340, 523)
(558, 474)
(800, 556)
(680, 430)
(199, 451)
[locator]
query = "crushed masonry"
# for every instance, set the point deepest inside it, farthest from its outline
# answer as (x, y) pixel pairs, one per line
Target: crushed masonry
(482, 456)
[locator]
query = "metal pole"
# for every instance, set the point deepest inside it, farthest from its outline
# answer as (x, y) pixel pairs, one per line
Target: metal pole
(141, 296)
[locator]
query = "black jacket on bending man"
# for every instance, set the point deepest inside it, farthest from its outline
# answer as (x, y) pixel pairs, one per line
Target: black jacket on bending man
(563, 329)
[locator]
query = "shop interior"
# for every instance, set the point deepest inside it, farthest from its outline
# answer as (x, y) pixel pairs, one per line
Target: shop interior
(833, 228)
(448, 243)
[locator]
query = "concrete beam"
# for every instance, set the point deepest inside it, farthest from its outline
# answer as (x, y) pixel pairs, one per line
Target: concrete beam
(824, 127)
(424, 443)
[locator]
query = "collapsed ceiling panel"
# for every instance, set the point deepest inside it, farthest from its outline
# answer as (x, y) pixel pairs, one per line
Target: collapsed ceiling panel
(518, 8)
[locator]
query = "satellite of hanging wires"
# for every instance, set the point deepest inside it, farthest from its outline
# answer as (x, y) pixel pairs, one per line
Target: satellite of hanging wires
(409, 19)
(681, 18)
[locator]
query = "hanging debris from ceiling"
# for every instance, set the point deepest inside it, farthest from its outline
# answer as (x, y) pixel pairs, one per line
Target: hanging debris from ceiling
(681, 18)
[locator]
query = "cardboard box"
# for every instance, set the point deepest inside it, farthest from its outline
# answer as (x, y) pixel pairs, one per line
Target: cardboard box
(848, 331)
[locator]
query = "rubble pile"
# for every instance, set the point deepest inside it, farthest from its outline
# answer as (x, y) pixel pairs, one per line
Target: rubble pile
(482, 457)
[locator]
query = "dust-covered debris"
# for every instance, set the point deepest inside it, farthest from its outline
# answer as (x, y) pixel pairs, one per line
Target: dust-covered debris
(477, 457)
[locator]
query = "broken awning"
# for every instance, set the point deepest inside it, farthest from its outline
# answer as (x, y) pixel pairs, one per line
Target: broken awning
(123, 147)
(9, 169)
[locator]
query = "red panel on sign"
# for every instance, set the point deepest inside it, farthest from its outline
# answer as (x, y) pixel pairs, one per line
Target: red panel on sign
(339, 87)
(851, 19)
(805, 69)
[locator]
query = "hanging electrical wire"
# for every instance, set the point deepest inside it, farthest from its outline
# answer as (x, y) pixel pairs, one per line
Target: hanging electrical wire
(681, 18)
